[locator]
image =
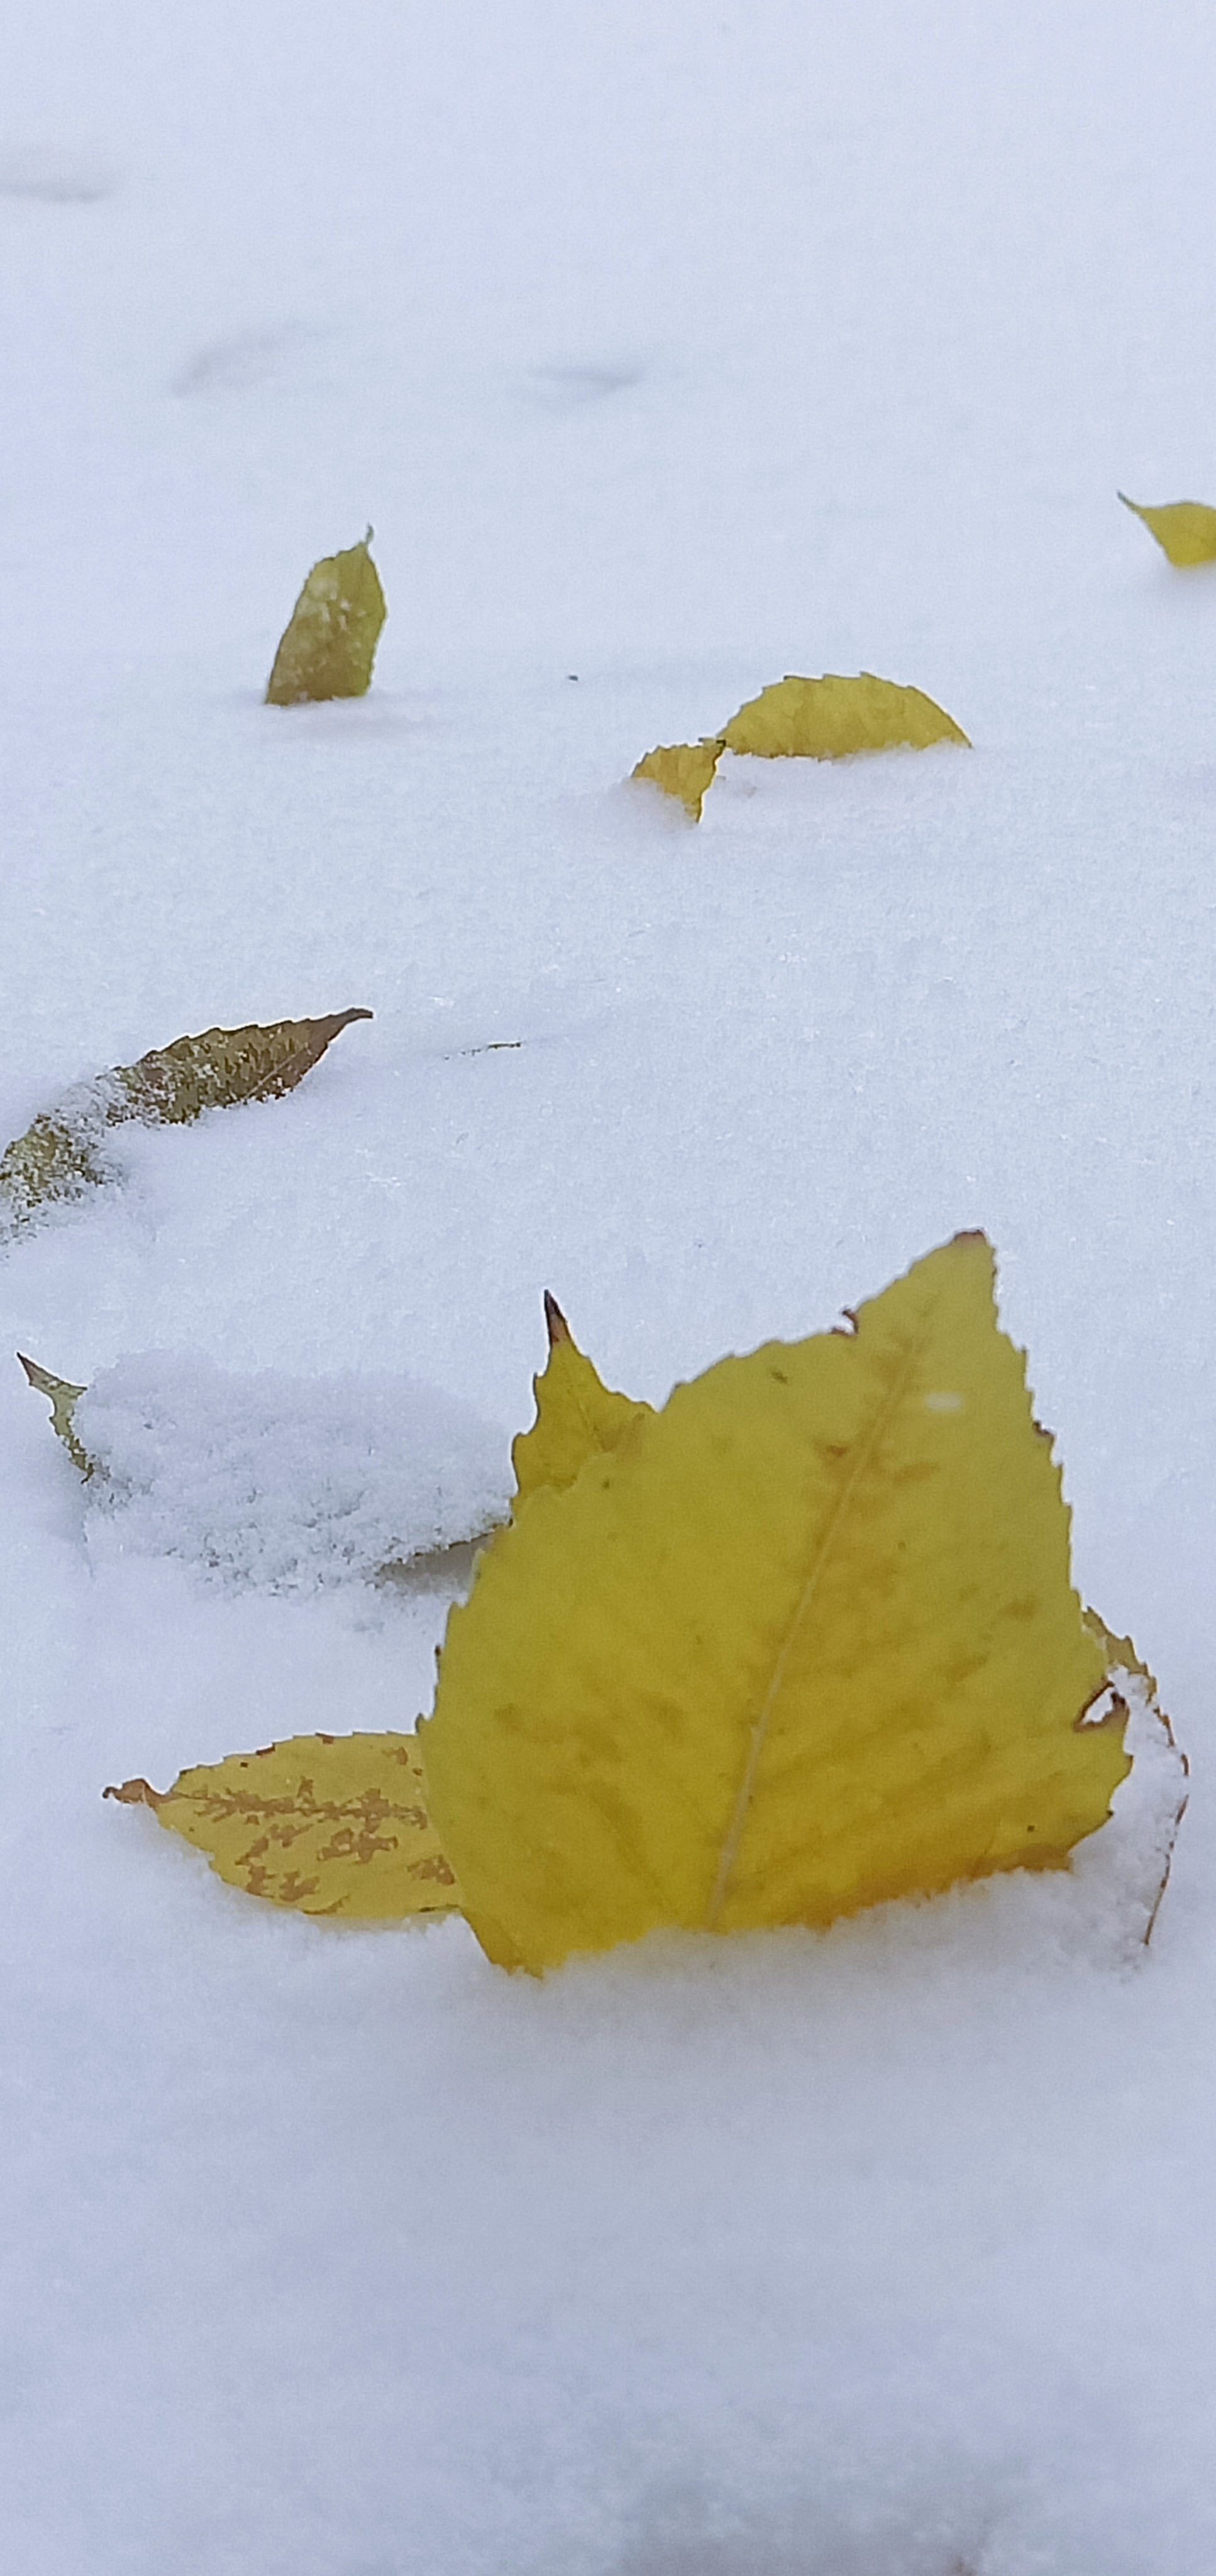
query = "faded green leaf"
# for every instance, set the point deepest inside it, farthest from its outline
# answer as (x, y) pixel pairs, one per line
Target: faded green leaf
(330, 644)
(63, 1398)
(65, 1151)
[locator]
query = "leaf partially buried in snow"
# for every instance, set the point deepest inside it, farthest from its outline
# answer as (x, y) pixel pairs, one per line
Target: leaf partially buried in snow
(830, 718)
(798, 719)
(683, 769)
(1185, 530)
(324, 1824)
(577, 1416)
(330, 643)
(64, 1398)
(802, 1641)
(65, 1152)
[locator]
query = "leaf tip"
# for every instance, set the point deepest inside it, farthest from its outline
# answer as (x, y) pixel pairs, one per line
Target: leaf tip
(684, 770)
(63, 1395)
(135, 1793)
(555, 1322)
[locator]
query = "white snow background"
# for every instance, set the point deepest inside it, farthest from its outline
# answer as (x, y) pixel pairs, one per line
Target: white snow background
(668, 348)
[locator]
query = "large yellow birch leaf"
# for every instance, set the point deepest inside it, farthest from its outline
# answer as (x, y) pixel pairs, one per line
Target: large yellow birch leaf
(329, 645)
(683, 769)
(1184, 530)
(577, 1416)
(326, 1824)
(803, 1641)
(64, 1152)
(829, 718)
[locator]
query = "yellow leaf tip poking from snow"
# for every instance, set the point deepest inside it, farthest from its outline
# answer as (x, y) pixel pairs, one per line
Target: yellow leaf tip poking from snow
(556, 1326)
(684, 770)
(1184, 530)
(824, 719)
(804, 1641)
(830, 718)
(323, 1824)
(577, 1416)
(329, 645)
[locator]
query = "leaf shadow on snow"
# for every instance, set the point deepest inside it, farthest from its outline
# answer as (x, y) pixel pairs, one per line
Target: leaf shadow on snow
(55, 174)
(863, 2516)
(240, 362)
(350, 722)
(575, 387)
(763, 2551)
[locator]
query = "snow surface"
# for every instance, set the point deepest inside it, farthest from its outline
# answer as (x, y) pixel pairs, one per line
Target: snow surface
(294, 1484)
(669, 348)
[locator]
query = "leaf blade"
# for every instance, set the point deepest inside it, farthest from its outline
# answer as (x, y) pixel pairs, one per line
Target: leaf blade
(328, 646)
(685, 770)
(677, 1696)
(1184, 530)
(577, 1416)
(329, 1825)
(831, 718)
(64, 1152)
(63, 1397)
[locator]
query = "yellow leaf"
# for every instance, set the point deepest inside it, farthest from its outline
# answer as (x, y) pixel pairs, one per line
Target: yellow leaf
(1185, 530)
(804, 1641)
(683, 769)
(330, 643)
(577, 1416)
(64, 1398)
(829, 718)
(65, 1153)
(325, 1824)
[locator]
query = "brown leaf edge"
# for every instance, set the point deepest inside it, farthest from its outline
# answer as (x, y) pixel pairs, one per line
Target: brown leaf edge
(1121, 1656)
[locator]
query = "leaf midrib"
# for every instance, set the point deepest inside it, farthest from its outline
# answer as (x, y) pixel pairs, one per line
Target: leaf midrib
(743, 1796)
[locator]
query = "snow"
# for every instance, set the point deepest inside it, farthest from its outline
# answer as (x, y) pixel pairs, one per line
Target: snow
(672, 348)
(292, 1484)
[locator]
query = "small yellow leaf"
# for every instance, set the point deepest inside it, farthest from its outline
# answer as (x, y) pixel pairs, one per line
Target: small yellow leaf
(64, 1398)
(1185, 530)
(330, 643)
(325, 1824)
(804, 1641)
(829, 718)
(683, 769)
(577, 1416)
(64, 1152)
